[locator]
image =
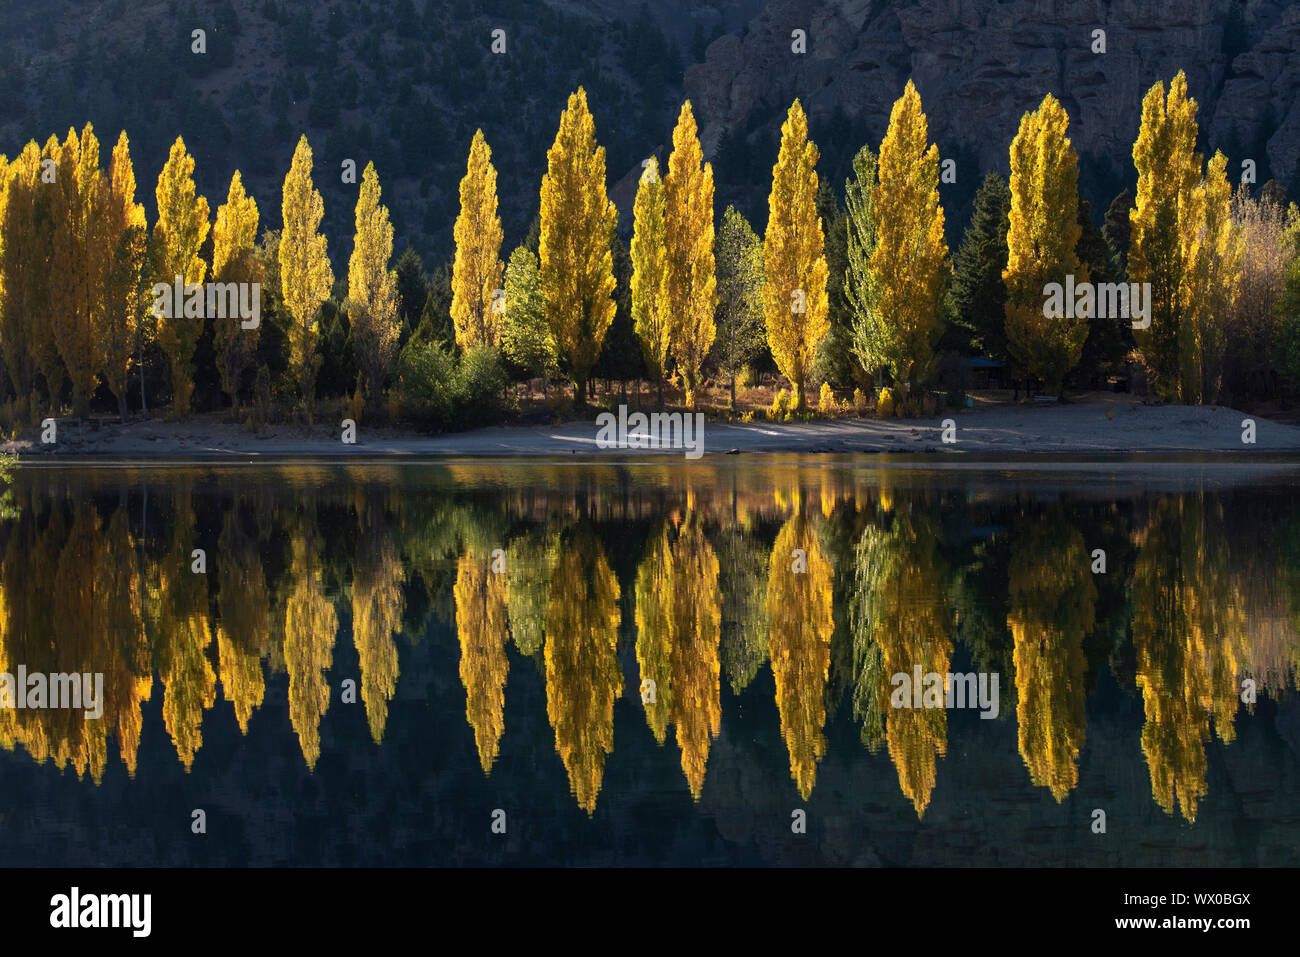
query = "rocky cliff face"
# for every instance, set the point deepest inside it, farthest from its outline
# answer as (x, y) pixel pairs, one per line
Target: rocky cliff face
(980, 64)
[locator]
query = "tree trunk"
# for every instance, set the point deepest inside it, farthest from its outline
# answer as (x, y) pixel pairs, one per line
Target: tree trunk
(121, 408)
(144, 406)
(733, 392)
(661, 392)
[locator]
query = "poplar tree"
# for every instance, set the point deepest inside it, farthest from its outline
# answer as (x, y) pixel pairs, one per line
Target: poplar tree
(794, 294)
(23, 280)
(234, 236)
(688, 288)
(1213, 254)
(117, 321)
(78, 259)
(577, 224)
(4, 206)
(870, 331)
(178, 234)
(305, 274)
(13, 349)
(740, 296)
(1041, 246)
(1168, 168)
(653, 329)
(476, 272)
(372, 289)
(908, 269)
(526, 339)
(42, 293)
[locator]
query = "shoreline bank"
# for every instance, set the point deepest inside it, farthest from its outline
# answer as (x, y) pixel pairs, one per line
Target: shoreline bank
(1019, 430)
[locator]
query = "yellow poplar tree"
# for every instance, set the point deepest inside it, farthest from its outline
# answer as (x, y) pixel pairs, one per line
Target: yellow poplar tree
(678, 617)
(42, 292)
(799, 591)
(305, 274)
(234, 236)
(1212, 253)
(795, 307)
(372, 289)
(377, 606)
(117, 321)
(577, 225)
(310, 625)
(78, 260)
(5, 172)
(688, 290)
(178, 234)
(1051, 608)
(651, 323)
(1041, 240)
(24, 273)
(583, 675)
(1168, 169)
(476, 304)
(908, 269)
(481, 626)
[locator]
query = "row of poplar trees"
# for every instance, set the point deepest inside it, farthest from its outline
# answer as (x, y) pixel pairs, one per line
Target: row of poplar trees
(78, 264)
(1183, 241)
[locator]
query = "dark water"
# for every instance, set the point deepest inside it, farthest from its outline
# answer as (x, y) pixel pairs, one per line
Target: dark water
(770, 603)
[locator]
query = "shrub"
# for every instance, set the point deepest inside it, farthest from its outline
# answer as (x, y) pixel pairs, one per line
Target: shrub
(355, 405)
(859, 402)
(885, 404)
(746, 378)
(929, 405)
(826, 400)
(478, 386)
(425, 374)
(780, 405)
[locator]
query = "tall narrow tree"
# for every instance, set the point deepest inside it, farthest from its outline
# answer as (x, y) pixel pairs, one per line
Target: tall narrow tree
(653, 329)
(372, 290)
(908, 269)
(688, 288)
(978, 292)
(526, 339)
(78, 259)
(23, 276)
(740, 296)
(871, 333)
(1168, 168)
(117, 321)
(305, 274)
(178, 235)
(476, 273)
(1213, 257)
(1044, 336)
(794, 294)
(577, 224)
(234, 236)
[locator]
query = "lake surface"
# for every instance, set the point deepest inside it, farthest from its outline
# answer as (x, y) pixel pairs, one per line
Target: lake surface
(638, 664)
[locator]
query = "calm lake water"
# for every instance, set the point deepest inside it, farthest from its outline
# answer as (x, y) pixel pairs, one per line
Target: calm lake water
(655, 664)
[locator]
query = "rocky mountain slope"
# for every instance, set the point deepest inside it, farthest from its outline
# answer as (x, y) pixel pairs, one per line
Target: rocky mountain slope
(407, 83)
